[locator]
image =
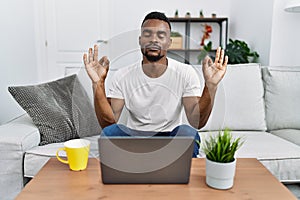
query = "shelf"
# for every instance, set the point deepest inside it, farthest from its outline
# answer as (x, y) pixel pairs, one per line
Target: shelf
(188, 21)
(198, 19)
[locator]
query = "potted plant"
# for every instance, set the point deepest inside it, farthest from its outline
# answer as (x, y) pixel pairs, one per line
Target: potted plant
(201, 15)
(176, 14)
(187, 14)
(239, 52)
(220, 150)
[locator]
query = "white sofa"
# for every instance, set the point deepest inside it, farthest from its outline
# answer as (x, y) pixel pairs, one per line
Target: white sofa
(259, 103)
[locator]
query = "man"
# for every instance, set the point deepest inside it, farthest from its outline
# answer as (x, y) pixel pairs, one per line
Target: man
(157, 90)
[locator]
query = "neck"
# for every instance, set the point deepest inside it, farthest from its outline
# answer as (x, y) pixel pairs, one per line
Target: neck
(154, 69)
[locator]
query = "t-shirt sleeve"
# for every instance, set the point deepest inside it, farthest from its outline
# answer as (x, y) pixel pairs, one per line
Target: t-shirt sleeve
(192, 84)
(114, 89)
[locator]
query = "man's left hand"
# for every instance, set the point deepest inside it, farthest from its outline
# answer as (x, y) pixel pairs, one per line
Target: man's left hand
(213, 72)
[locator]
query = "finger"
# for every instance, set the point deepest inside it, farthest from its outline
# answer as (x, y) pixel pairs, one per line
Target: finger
(90, 55)
(221, 56)
(205, 60)
(85, 59)
(104, 62)
(101, 61)
(224, 65)
(226, 61)
(210, 62)
(217, 55)
(95, 52)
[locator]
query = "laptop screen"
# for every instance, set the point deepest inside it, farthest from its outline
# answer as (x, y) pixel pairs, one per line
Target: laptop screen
(145, 159)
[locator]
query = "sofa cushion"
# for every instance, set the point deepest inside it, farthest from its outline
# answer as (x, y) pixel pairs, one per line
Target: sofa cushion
(60, 109)
(239, 103)
(282, 97)
(292, 135)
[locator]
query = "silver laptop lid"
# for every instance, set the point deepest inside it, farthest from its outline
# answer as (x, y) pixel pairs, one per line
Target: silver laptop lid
(145, 159)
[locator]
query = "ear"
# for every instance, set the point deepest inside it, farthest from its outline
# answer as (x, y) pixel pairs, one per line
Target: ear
(140, 40)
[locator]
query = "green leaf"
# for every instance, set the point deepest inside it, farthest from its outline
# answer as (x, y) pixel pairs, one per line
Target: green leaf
(239, 52)
(221, 147)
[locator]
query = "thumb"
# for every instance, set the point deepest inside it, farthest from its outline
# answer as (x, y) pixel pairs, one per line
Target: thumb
(206, 61)
(104, 62)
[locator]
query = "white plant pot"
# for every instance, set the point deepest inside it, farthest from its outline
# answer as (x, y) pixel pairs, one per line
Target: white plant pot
(220, 175)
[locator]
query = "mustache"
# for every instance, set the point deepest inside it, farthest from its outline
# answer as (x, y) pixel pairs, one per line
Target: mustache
(152, 46)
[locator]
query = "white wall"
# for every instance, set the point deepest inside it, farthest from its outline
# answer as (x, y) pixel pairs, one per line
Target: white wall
(285, 42)
(127, 22)
(138, 9)
(262, 24)
(268, 29)
(17, 52)
(251, 21)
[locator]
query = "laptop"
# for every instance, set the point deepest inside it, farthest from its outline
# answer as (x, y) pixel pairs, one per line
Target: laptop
(146, 160)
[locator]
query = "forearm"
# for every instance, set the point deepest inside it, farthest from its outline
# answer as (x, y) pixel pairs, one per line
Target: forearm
(103, 109)
(206, 104)
(202, 108)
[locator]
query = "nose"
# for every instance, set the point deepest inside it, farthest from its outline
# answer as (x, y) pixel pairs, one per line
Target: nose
(154, 37)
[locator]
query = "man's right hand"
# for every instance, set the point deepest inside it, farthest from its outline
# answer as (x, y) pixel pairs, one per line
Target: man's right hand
(97, 70)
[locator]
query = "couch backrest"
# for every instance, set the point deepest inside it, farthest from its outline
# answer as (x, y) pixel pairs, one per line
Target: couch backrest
(282, 97)
(239, 102)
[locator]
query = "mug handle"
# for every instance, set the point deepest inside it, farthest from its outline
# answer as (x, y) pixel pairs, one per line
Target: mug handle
(59, 158)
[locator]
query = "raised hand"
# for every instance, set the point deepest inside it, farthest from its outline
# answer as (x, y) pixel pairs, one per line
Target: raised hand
(213, 72)
(97, 70)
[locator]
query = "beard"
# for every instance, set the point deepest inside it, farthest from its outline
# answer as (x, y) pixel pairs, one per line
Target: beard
(152, 58)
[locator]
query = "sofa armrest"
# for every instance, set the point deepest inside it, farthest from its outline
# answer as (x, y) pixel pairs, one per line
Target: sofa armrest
(19, 134)
(16, 137)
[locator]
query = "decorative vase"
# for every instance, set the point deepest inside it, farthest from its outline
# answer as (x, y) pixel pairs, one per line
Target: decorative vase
(220, 175)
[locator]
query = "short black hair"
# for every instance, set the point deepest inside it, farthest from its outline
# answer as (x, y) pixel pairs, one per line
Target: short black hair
(159, 16)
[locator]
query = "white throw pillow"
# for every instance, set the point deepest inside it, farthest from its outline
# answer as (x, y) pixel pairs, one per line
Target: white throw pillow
(239, 103)
(282, 97)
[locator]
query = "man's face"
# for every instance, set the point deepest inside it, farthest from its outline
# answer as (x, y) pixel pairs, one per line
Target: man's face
(155, 39)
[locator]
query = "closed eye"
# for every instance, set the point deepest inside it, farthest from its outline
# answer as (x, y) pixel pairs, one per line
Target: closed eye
(161, 34)
(147, 33)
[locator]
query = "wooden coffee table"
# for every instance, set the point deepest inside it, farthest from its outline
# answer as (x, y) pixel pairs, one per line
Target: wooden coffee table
(56, 181)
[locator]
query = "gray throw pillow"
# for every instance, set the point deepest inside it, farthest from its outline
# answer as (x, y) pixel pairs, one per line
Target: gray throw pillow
(60, 109)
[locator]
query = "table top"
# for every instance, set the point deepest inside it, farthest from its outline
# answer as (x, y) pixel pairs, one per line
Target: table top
(56, 181)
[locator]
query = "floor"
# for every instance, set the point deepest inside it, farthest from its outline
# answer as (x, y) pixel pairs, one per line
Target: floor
(295, 189)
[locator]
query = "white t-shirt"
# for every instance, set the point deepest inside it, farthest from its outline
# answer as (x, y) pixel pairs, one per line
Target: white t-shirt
(155, 104)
